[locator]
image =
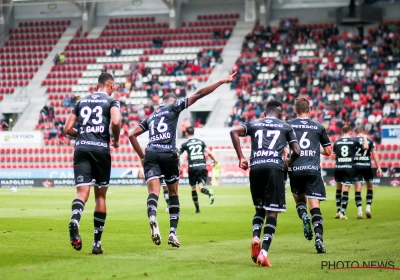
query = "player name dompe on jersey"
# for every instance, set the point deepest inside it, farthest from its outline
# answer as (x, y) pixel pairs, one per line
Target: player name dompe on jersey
(94, 117)
(269, 138)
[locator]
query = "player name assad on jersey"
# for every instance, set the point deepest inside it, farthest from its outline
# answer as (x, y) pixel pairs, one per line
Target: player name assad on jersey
(161, 125)
(269, 137)
(93, 112)
(345, 149)
(195, 149)
(310, 135)
(362, 157)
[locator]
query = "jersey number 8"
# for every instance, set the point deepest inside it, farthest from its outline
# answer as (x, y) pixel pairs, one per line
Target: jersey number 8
(344, 151)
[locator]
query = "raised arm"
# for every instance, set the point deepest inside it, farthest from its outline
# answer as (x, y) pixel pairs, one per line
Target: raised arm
(235, 134)
(207, 90)
(135, 144)
(378, 163)
(69, 126)
(115, 125)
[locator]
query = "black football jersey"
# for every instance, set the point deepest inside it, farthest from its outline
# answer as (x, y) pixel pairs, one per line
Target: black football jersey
(310, 135)
(363, 157)
(195, 149)
(162, 124)
(94, 117)
(269, 137)
(345, 149)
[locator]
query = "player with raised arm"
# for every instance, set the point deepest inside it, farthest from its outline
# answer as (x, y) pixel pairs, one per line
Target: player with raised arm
(92, 159)
(305, 174)
(345, 149)
(161, 160)
(363, 171)
(196, 150)
(269, 136)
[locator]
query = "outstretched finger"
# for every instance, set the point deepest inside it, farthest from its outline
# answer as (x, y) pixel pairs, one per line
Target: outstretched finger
(233, 75)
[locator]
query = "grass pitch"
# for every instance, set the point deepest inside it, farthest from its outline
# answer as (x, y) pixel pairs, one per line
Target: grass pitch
(215, 244)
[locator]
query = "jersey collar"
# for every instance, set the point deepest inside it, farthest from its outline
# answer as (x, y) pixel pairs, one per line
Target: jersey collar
(100, 92)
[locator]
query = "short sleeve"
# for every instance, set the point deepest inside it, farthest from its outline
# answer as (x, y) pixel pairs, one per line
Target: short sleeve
(291, 136)
(182, 149)
(115, 103)
(180, 105)
(144, 125)
(323, 138)
(247, 128)
(372, 146)
(75, 110)
(334, 148)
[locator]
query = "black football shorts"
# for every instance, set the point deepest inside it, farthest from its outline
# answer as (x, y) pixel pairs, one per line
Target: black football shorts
(361, 174)
(197, 176)
(310, 185)
(159, 165)
(92, 168)
(344, 176)
(268, 188)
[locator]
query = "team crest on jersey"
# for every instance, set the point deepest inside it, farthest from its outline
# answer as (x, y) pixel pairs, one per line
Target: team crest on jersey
(268, 121)
(304, 122)
(95, 96)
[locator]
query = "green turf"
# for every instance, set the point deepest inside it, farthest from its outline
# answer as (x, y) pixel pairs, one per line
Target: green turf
(215, 244)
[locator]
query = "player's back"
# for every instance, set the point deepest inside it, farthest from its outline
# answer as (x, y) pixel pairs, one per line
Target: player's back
(94, 117)
(269, 138)
(310, 135)
(195, 150)
(363, 157)
(162, 124)
(345, 149)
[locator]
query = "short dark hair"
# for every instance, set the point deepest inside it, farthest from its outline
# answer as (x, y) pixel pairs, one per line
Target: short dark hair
(346, 129)
(272, 106)
(104, 77)
(190, 130)
(358, 130)
(302, 105)
(169, 96)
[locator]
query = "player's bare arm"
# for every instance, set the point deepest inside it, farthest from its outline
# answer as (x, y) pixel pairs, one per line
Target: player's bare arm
(294, 146)
(365, 140)
(378, 163)
(210, 154)
(69, 126)
(235, 134)
(207, 90)
(135, 144)
(115, 125)
(326, 151)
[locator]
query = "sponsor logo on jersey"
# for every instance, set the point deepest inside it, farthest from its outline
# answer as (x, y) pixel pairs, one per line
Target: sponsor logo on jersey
(304, 122)
(268, 121)
(95, 96)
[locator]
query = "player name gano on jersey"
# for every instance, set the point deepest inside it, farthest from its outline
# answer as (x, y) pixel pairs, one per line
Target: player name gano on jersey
(93, 112)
